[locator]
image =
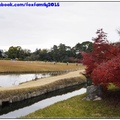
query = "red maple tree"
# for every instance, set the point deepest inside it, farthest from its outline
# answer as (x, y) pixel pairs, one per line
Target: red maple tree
(103, 63)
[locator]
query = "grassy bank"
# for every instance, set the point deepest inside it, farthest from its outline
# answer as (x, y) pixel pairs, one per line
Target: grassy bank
(8, 66)
(75, 107)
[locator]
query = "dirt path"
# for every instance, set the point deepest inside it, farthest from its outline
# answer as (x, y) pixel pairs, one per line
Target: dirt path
(43, 81)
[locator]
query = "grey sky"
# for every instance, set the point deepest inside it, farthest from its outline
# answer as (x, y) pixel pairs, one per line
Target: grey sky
(70, 23)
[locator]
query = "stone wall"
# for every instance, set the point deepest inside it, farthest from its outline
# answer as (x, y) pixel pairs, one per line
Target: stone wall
(50, 88)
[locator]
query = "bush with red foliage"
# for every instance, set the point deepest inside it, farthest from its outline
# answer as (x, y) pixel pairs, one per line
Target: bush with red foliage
(103, 63)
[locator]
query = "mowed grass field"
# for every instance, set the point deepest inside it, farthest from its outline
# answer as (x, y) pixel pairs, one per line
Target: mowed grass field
(8, 66)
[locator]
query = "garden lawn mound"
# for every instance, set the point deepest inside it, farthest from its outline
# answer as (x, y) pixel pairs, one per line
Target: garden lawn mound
(44, 81)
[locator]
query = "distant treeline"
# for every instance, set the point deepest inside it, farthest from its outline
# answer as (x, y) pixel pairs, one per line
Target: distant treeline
(60, 53)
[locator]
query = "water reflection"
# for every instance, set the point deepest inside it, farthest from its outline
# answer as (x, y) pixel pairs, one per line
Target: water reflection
(16, 79)
(30, 105)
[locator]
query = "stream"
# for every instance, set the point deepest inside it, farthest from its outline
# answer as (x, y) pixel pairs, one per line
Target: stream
(18, 109)
(16, 79)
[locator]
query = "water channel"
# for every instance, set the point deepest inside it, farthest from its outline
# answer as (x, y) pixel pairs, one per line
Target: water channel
(25, 107)
(16, 79)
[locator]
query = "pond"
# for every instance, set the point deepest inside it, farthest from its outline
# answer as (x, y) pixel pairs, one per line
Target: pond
(16, 79)
(25, 107)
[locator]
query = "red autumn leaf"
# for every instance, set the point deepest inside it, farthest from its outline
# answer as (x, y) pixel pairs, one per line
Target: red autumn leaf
(103, 63)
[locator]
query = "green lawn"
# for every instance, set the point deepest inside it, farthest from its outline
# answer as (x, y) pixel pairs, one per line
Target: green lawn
(75, 107)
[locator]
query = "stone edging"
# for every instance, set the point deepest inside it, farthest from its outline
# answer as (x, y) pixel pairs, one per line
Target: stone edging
(37, 91)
